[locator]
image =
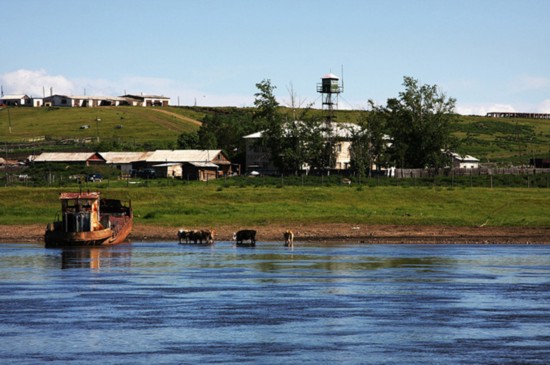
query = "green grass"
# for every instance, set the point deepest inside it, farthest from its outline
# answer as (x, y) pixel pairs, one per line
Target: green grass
(501, 140)
(138, 124)
(212, 204)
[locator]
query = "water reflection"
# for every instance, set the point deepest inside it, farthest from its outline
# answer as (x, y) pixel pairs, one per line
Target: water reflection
(96, 258)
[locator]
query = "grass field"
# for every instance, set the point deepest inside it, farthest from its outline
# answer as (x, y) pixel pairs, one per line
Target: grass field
(214, 204)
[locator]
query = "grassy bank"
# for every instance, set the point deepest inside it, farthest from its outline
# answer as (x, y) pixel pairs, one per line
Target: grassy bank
(213, 204)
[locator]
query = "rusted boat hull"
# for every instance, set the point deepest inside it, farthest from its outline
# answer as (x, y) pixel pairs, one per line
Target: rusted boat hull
(102, 237)
(87, 220)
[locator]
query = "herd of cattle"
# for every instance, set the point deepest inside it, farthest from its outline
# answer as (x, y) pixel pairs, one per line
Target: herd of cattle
(245, 237)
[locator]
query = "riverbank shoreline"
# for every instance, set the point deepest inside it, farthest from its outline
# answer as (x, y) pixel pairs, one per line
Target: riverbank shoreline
(331, 232)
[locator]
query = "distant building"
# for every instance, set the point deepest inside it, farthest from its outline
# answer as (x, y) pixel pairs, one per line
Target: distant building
(518, 115)
(146, 100)
(16, 100)
(83, 101)
(463, 161)
(123, 160)
(195, 164)
(259, 159)
(86, 158)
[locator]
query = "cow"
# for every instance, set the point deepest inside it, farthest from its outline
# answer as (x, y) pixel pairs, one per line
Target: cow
(289, 238)
(245, 235)
(183, 234)
(198, 236)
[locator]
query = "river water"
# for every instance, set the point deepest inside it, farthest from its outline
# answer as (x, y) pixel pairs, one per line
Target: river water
(164, 303)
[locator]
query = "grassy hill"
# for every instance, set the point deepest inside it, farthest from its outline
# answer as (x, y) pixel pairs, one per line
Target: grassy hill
(123, 124)
(489, 139)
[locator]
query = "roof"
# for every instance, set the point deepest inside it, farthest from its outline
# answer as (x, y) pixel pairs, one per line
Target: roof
(124, 157)
(145, 96)
(330, 75)
(64, 156)
(182, 156)
(89, 195)
(342, 130)
(458, 157)
(14, 97)
(203, 164)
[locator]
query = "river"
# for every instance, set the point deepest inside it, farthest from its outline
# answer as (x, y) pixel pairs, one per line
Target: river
(164, 303)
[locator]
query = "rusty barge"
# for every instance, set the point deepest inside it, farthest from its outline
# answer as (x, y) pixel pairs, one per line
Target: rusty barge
(89, 220)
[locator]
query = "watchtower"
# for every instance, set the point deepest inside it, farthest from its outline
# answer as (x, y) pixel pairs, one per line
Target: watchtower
(330, 88)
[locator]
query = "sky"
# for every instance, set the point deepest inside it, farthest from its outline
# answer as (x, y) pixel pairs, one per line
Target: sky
(489, 55)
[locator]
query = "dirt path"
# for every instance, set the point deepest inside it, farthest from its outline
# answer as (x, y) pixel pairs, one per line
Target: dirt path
(178, 116)
(328, 232)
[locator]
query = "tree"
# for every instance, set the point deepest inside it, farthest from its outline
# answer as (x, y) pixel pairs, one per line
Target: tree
(270, 121)
(368, 142)
(188, 141)
(419, 122)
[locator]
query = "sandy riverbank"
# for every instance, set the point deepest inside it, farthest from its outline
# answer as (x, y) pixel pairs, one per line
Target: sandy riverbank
(337, 232)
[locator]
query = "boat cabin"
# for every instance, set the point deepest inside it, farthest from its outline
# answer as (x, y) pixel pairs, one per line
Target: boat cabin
(80, 212)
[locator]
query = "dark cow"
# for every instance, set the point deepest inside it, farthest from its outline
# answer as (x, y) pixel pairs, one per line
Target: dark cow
(198, 236)
(289, 238)
(245, 235)
(183, 234)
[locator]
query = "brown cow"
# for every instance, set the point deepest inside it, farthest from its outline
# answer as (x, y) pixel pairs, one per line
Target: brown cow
(289, 238)
(197, 236)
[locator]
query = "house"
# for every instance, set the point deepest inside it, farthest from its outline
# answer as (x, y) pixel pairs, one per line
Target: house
(86, 158)
(195, 164)
(146, 100)
(83, 101)
(463, 161)
(123, 160)
(16, 100)
(259, 159)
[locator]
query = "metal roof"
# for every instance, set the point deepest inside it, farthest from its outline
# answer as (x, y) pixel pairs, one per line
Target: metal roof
(13, 97)
(342, 130)
(124, 157)
(332, 76)
(71, 196)
(182, 155)
(64, 156)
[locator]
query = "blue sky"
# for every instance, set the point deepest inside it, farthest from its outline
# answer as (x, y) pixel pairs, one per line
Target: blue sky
(491, 55)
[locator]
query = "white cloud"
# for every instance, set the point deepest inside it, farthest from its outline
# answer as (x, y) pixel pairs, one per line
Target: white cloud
(482, 109)
(544, 107)
(34, 83)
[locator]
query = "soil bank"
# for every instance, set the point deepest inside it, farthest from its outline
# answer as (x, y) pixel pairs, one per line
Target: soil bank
(336, 232)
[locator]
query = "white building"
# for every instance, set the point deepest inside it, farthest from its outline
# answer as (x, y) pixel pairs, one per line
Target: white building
(464, 161)
(259, 159)
(16, 100)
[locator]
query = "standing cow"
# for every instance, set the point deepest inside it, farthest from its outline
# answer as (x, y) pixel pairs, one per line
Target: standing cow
(289, 238)
(198, 236)
(245, 235)
(183, 234)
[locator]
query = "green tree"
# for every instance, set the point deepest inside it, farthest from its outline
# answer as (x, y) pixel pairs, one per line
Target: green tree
(270, 121)
(188, 141)
(419, 122)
